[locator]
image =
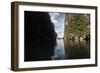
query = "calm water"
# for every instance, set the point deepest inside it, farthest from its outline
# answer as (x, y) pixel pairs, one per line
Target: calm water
(71, 49)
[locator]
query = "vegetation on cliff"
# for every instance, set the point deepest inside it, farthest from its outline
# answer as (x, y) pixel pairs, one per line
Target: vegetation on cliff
(77, 26)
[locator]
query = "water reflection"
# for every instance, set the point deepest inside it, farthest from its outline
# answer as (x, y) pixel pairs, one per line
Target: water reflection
(77, 49)
(71, 49)
(59, 52)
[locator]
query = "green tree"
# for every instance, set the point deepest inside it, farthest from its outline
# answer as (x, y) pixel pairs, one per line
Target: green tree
(77, 25)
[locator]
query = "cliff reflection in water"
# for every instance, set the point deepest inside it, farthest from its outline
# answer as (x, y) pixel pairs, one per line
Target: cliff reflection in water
(72, 49)
(77, 49)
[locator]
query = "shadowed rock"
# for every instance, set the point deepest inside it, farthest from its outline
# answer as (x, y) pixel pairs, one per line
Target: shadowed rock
(40, 36)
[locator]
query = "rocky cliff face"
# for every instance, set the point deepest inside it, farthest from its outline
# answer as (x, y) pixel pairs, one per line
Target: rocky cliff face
(40, 36)
(77, 25)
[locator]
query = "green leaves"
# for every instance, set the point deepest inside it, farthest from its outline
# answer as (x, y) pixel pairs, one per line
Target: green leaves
(77, 24)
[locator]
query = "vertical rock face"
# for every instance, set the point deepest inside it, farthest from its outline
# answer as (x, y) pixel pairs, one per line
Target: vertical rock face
(77, 25)
(40, 36)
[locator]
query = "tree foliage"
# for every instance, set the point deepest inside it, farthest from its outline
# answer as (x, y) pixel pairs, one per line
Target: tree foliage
(77, 25)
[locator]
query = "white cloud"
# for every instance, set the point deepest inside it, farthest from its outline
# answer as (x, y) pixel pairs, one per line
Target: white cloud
(53, 17)
(59, 25)
(54, 14)
(55, 21)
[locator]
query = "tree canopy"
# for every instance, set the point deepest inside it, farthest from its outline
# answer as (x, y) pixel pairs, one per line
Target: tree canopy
(77, 24)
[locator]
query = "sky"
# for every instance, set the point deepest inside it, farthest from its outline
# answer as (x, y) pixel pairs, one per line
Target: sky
(58, 21)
